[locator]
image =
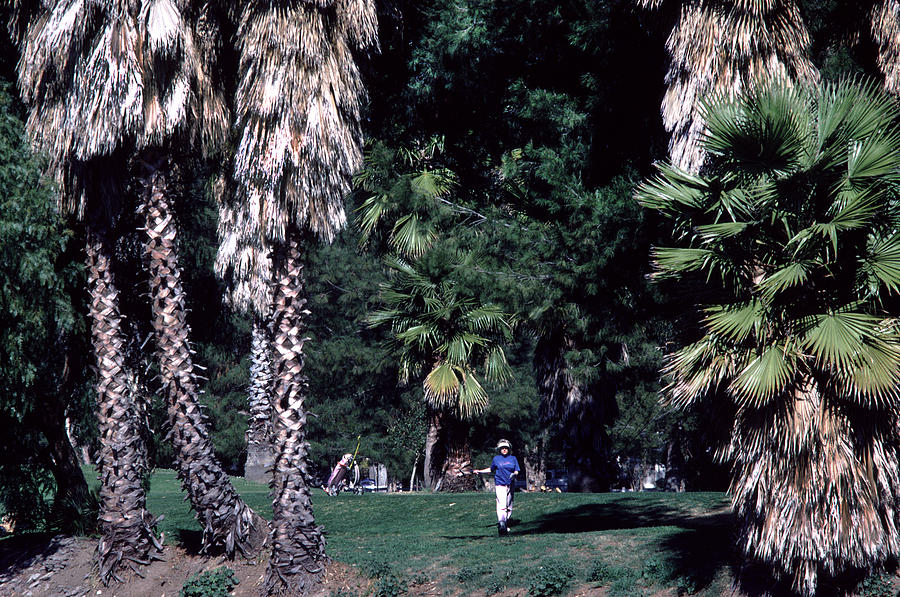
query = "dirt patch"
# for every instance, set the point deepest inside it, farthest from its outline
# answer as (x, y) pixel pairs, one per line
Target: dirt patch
(60, 566)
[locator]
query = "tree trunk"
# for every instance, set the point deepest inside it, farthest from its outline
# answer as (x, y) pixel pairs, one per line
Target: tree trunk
(72, 500)
(535, 463)
(260, 451)
(456, 473)
(675, 480)
(412, 476)
(127, 537)
(583, 411)
(83, 454)
(226, 520)
(298, 547)
(433, 450)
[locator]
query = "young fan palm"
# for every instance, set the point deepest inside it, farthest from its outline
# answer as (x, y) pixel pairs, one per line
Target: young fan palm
(791, 237)
(128, 80)
(442, 337)
(298, 114)
(725, 46)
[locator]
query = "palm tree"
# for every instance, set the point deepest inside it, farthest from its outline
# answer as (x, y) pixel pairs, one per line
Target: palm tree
(441, 336)
(791, 240)
(129, 79)
(298, 108)
(726, 46)
(246, 266)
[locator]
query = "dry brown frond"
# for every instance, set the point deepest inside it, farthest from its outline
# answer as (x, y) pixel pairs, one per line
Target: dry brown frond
(243, 260)
(720, 47)
(298, 110)
(816, 484)
(886, 33)
(93, 76)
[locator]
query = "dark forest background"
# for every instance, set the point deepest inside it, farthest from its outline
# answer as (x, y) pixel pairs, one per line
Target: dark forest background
(544, 115)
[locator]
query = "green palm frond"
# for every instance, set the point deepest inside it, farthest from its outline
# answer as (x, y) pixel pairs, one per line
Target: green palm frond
(676, 261)
(371, 211)
(442, 385)
(758, 132)
(711, 232)
(472, 397)
(792, 275)
(489, 318)
(883, 261)
(459, 349)
(876, 156)
(875, 378)
(764, 376)
(432, 184)
(496, 367)
(672, 191)
(837, 339)
(735, 322)
(412, 236)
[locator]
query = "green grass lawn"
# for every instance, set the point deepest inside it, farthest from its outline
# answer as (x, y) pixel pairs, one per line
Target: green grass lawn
(632, 543)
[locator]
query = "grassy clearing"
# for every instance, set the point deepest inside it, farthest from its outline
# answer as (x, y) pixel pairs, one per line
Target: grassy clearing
(630, 543)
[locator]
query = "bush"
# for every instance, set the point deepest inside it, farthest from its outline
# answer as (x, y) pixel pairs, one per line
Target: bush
(603, 573)
(390, 585)
(551, 579)
(212, 583)
(466, 575)
(875, 585)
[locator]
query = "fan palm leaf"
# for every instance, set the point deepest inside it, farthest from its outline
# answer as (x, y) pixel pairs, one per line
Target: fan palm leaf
(801, 343)
(721, 48)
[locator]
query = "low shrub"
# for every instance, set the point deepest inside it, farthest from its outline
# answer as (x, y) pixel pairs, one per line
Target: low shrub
(389, 585)
(551, 579)
(212, 583)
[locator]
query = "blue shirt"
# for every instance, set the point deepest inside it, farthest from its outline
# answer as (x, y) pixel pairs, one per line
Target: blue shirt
(503, 467)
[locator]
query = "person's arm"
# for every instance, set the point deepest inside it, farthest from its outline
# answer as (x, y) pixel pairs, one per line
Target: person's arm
(487, 470)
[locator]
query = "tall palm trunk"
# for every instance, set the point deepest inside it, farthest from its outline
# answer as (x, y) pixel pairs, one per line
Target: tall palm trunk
(126, 528)
(227, 521)
(260, 450)
(298, 547)
(433, 454)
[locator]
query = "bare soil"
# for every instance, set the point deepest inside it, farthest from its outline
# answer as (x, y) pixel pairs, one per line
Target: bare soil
(60, 566)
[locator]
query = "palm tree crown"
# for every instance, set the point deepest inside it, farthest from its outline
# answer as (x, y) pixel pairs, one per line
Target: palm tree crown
(726, 46)
(444, 336)
(791, 232)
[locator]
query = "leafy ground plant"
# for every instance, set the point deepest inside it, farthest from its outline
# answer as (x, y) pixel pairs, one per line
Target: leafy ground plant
(212, 583)
(551, 579)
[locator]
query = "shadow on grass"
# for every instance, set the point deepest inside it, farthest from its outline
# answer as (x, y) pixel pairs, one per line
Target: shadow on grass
(693, 553)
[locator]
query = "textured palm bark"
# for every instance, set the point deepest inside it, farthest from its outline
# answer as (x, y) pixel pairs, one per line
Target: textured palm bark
(434, 456)
(127, 538)
(456, 472)
(260, 450)
(298, 547)
(226, 520)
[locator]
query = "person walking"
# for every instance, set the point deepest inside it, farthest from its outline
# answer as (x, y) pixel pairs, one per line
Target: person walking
(505, 467)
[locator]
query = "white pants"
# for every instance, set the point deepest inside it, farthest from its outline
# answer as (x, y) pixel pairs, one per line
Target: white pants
(504, 502)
